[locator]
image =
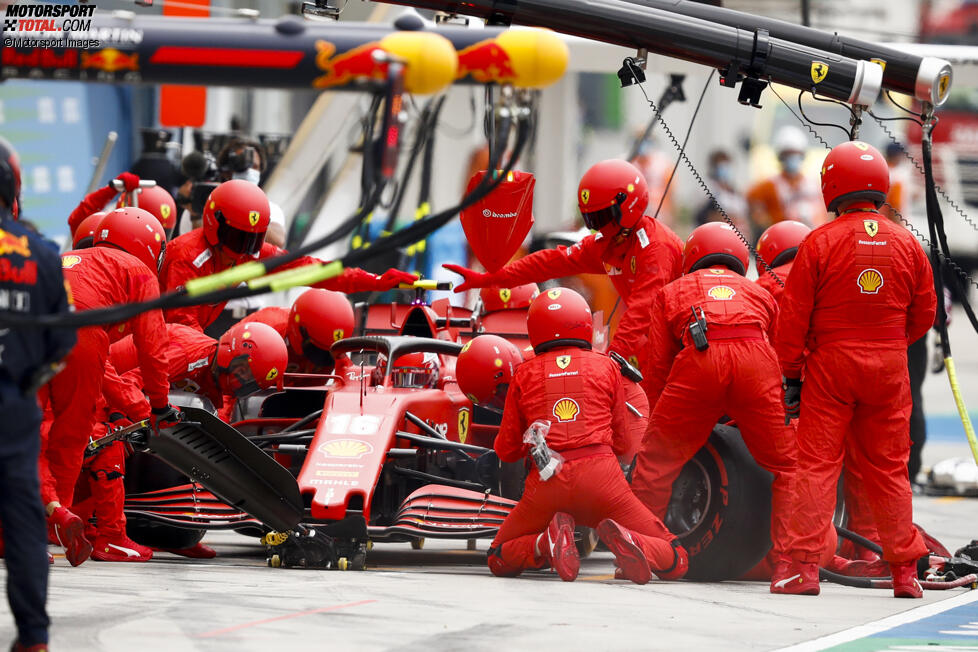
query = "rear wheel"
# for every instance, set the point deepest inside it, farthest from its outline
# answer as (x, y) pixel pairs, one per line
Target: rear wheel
(721, 508)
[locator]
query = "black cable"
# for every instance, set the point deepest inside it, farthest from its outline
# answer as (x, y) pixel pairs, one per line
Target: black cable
(889, 95)
(682, 150)
(821, 124)
(943, 193)
(872, 546)
(705, 187)
(180, 298)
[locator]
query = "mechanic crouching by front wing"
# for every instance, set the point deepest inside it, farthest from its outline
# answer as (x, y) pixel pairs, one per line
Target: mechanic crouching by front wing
(710, 356)
(861, 288)
(567, 402)
(236, 217)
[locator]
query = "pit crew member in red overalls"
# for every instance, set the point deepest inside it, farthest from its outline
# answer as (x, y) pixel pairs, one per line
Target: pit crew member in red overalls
(248, 358)
(120, 268)
(710, 356)
(860, 289)
(638, 253)
(778, 245)
(236, 217)
(577, 393)
(316, 320)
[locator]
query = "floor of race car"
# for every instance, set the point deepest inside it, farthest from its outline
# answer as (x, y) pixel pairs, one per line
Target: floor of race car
(443, 597)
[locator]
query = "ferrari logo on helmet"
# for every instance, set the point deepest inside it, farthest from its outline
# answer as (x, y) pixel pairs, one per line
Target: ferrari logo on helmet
(563, 361)
(505, 294)
(566, 410)
(630, 187)
(860, 145)
(633, 265)
(465, 347)
(872, 227)
(819, 71)
(870, 281)
(165, 211)
(719, 272)
(585, 196)
(272, 374)
(338, 334)
(554, 294)
(722, 293)
(253, 217)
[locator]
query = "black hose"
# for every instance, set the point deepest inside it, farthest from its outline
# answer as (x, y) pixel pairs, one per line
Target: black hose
(859, 539)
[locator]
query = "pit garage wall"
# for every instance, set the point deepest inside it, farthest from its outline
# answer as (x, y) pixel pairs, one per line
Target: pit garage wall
(58, 129)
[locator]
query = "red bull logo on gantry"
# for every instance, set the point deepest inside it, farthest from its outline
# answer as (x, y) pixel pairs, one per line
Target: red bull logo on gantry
(486, 61)
(110, 60)
(355, 63)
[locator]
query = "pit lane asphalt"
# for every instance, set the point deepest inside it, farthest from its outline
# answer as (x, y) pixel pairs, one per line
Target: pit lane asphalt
(443, 597)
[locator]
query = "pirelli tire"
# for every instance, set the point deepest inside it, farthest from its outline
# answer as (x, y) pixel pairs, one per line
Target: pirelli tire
(145, 472)
(721, 509)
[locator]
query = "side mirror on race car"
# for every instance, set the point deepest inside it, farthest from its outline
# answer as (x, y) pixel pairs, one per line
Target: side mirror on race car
(628, 370)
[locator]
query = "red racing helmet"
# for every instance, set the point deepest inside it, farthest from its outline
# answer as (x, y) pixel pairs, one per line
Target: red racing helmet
(317, 319)
(251, 356)
(157, 201)
(84, 236)
(715, 243)
(418, 370)
(612, 191)
(854, 171)
(559, 317)
(9, 176)
(496, 299)
(236, 217)
(485, 369)
(779, 242)
(134, 231)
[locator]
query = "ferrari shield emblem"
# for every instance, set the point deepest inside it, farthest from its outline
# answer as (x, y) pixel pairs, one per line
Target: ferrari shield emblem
(463, 425)
(819, 71)
(272, 374)
(860, 145)
(872, 227)
(253, 217)
(505, 294)
(879, 62)
(338, 335)
(554, 294)
(165, 211)
(585, 196)
(563, 361)
(633, 265)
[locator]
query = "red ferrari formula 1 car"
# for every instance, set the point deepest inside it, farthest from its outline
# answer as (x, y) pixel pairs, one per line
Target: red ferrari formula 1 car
(383, 451)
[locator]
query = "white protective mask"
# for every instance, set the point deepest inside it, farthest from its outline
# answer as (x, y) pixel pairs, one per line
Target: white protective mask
(251, 175)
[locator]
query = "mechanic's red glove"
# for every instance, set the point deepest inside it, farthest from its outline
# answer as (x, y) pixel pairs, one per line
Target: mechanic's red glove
(473, 279)
(165, 417)
(130, 180)
(394, 277)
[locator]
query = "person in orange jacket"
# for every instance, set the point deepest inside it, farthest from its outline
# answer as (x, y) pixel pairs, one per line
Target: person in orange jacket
(577, 394)
(638, 253)
(861, 288)
(711, 356)
(235, 219)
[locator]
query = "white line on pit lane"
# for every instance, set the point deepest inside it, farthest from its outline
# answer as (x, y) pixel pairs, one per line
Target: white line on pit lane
(862, 631)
